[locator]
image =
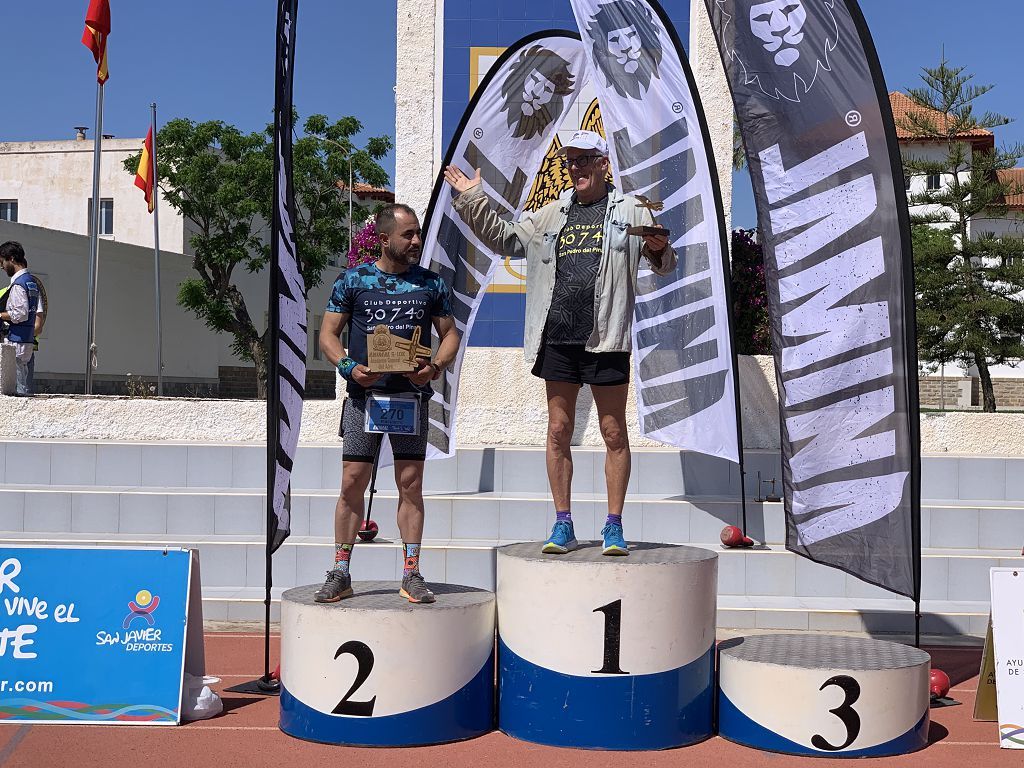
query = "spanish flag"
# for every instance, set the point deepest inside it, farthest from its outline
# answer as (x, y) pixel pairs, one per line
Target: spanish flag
(144, 175)
(97, 28)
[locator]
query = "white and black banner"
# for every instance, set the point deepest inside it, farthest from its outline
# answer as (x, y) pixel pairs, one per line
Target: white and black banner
(505, 132)
(832, 212)
(660, 148)
(286, 374)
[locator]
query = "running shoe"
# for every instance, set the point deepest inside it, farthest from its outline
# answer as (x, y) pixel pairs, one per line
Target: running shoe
(414, 589)
(561, 540)
(337, 586)
(614, 543)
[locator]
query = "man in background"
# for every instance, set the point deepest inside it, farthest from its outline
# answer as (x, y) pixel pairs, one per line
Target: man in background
(19, 314)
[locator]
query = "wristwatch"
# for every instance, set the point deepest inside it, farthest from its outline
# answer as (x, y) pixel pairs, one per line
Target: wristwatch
(437, 370)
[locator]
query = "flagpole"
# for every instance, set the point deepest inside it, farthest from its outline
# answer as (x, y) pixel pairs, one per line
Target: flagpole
(156, 260)
(94, 242)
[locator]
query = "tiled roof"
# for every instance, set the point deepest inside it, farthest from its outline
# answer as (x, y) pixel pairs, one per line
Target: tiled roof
(1014, 176)
(902, 106)
(370, 191)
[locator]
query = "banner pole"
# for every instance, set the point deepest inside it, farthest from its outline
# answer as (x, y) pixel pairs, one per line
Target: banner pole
(94, 243)
(156, 262)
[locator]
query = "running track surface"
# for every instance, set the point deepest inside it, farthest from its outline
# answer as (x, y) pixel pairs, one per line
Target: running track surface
(246, 734)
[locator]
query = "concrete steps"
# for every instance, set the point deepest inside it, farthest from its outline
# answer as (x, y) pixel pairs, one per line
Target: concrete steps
(508, 469)
(211, 497)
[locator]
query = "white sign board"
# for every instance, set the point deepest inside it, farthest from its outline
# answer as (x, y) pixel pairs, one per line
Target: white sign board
(1008, 635)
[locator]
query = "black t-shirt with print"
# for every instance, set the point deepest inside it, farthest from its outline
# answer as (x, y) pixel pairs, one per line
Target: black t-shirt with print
(580, 244)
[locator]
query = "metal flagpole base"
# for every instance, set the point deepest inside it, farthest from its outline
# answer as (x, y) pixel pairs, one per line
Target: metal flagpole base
(262, 686)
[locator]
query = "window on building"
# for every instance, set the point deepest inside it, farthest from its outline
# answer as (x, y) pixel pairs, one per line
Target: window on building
(106, 216)
(933, 182)
(8, 210)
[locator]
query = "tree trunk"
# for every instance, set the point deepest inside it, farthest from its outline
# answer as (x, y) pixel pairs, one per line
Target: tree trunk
(988, 394)
(260, 362)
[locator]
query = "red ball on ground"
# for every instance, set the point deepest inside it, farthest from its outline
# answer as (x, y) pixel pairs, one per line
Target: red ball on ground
(369, 531)
(732, 536)
(939, 683)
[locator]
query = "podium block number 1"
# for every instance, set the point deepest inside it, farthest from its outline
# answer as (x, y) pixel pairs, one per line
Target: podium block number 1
(612, 637)
(364, 658)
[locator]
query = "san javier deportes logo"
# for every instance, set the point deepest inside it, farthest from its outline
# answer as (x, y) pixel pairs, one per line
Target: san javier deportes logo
(146, 640)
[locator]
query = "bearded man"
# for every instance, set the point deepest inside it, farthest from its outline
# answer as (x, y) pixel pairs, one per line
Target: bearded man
(396, 292)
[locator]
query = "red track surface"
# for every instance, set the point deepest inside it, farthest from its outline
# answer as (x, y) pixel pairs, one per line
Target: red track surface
(247, 735)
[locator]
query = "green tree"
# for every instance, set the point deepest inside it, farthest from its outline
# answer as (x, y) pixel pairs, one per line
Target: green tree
(751, 328)
(970, 286)
(221, 181)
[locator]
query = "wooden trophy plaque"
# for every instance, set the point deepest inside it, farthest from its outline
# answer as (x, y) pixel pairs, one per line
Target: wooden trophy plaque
(387, 353)
(652, 206)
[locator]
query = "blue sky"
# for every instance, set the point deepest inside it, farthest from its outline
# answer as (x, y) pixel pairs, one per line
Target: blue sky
(214, 59)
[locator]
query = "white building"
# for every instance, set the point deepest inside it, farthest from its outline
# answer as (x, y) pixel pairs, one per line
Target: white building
(998, 224)
(49, 184)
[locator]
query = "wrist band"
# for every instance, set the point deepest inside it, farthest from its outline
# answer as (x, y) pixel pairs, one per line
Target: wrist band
(437, 369)
(345, 367)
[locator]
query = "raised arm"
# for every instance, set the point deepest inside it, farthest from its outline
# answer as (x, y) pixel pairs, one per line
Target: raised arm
(505, 238)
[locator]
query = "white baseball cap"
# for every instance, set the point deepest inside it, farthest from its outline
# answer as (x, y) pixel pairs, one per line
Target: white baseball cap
(585, 140)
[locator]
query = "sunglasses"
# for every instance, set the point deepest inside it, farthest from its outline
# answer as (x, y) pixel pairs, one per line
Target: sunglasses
(583, 161)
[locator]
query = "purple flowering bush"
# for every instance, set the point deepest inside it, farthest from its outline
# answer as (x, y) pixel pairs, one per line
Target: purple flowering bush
(365, 247)
(749, 295)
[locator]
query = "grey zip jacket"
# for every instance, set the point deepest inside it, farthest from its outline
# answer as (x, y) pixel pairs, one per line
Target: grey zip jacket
(535, 237)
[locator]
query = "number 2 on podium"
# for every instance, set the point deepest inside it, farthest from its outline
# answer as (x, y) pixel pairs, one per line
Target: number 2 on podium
(364, 658)
(612, 637)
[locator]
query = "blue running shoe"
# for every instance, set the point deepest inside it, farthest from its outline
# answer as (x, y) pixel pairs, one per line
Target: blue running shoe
(561, 540)
(614, 543)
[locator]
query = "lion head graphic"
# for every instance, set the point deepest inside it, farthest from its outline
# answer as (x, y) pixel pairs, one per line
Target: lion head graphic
(791, 46)
(535, 90)
(626, 47)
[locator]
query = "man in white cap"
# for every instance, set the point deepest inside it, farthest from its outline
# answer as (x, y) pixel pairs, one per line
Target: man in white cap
(580, 290)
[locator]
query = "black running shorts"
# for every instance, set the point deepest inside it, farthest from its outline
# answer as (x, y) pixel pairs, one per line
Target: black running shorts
(573, 363)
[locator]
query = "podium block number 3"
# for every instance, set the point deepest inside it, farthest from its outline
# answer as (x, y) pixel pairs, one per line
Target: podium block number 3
(364, 658)
(844, 712)
(612, 637)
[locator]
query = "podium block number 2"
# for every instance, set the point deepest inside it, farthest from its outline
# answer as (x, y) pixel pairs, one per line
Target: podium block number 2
(364, 658)
(612, 637)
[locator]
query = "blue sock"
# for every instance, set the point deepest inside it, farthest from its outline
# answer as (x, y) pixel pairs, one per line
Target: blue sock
(614, 520)
(563, 517)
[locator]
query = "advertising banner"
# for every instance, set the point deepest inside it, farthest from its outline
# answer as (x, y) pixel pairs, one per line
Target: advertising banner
(93, 635)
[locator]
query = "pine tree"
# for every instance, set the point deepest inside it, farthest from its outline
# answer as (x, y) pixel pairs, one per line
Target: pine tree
(970, 285)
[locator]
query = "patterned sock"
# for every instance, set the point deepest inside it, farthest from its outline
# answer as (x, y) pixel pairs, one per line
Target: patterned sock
(563, 517)
(342, 557)
(412, 559)
(614, 520)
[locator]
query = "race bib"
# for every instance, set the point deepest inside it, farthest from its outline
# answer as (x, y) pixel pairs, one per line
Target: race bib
(393, 414)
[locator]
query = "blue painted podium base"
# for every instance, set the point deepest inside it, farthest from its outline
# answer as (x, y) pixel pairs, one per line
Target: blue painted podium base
(735, 726)
(467, 713)
(617, 712)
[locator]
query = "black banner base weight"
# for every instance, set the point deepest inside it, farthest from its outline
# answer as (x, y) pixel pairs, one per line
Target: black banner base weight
(261, 686)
